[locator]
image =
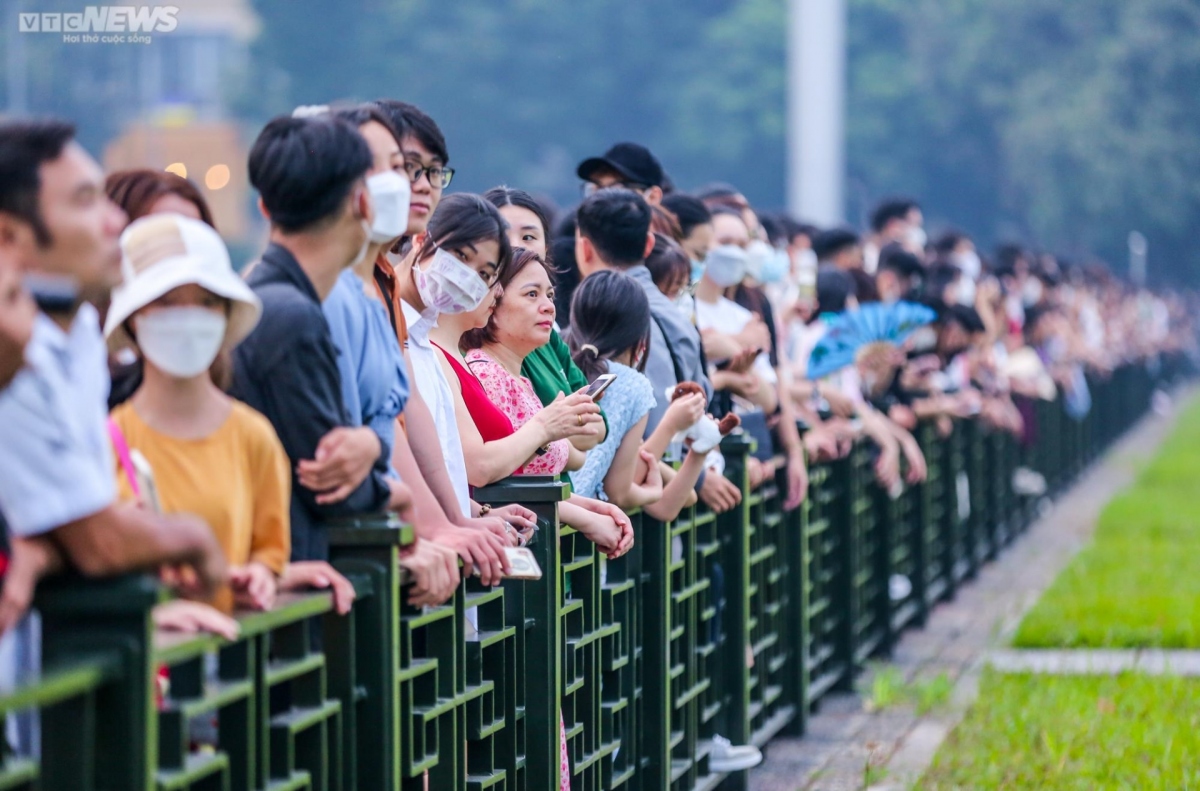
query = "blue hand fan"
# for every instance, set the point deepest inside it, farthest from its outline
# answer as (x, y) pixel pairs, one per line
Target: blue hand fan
(849, 332)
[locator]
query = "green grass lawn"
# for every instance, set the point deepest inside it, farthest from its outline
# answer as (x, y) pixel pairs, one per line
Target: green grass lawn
(1074, 732)
(1138, 583)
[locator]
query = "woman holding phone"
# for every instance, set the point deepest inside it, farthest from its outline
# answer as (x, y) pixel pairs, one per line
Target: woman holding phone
(494, 400)
(610, 336)
(493, 448)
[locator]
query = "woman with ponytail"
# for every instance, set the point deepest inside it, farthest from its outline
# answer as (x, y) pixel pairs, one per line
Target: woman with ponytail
(610, 334)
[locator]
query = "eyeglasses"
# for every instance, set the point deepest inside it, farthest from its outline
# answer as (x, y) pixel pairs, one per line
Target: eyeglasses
(590, 188)
(438, 176)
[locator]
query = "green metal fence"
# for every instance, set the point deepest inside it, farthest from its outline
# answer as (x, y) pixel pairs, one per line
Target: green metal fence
(737, 625)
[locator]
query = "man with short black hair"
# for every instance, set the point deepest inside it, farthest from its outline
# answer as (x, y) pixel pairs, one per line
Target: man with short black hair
(614, 233)
(58, 493)
(627, 165)
(57, 488)
(895, 220)
(310, 175)
(426, 158)
(840, 247)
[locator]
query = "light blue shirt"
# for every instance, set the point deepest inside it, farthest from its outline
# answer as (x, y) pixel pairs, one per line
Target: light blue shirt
(370, 365)
(626, 401)
(56, 462)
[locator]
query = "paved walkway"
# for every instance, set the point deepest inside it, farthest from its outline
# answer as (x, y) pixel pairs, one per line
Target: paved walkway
(848, 748)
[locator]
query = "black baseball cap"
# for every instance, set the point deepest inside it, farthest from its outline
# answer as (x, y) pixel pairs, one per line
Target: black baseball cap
(632, 161)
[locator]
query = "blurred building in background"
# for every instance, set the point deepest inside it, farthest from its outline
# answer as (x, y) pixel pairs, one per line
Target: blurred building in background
(184, 122)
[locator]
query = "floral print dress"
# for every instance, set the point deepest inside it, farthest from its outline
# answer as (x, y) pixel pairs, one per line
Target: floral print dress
(514, 396)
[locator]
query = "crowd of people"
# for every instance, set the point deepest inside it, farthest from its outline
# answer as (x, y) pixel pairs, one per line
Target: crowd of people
(395, 347)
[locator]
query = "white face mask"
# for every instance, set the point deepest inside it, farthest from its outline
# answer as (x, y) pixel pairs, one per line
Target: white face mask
(726, 265)
(1031, 292)
(758, 257)
(776, 268)
(915, 237)
(181, 342)
(969, 263)
(449, 285)
(966, 291)
(391, 193)
(686, 305)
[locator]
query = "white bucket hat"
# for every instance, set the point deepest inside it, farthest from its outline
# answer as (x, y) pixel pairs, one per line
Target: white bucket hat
(161, 252)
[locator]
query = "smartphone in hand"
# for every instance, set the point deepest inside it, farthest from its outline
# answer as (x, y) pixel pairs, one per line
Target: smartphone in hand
(597, 388)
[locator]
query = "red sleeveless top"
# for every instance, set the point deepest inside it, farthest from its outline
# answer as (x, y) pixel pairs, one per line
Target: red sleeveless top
(491, 422)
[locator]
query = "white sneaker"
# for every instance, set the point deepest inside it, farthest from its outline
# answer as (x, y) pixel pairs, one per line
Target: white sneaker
(727, 757)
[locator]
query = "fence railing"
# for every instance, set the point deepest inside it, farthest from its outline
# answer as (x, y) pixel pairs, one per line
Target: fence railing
(737, 625)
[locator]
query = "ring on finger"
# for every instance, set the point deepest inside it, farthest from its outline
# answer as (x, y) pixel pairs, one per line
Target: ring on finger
(579, 418)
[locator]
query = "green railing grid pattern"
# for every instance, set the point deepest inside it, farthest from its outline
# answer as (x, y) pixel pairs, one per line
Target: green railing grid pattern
(266, 694)
(828, 664)
(640, 655)
(905, 556)
(937, 580)
(868, 550)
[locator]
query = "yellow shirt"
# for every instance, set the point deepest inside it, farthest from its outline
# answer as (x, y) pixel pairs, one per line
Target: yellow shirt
(236, 479)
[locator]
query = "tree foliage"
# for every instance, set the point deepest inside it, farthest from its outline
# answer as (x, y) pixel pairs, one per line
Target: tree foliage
(1063, 124)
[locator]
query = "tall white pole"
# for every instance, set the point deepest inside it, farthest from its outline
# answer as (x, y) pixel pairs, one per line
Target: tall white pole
(816, 109)
(1138, 247)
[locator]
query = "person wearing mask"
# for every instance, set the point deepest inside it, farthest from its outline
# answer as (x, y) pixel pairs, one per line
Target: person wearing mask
(451, 271)
(438, 509)
(144, 192)
(519, 322)
(141, 192)
(893, 221)
(747, 372)
(57, 490)
(626, 165)
(957, 250)
(748, 322)
(492, 447)
(611, 335)
(613, 232)
(549, 368)
(310, 175)
(181, 304)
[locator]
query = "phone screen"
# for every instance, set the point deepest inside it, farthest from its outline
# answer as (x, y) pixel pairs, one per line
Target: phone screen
(599, 386)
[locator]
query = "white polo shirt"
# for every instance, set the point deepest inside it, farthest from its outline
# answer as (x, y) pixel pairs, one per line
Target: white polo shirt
(56, 462)
(437, 395)
(56, 466)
